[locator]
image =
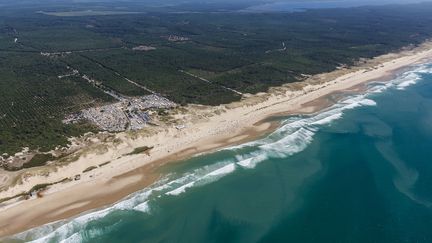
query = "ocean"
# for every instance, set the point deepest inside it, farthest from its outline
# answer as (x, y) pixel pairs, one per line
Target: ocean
(359, 171)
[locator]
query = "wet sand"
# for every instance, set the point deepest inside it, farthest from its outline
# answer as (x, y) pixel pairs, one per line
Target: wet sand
(238, 123)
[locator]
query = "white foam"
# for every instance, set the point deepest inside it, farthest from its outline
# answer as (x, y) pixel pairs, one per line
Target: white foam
(222, 171)
(181, 189)
(67, 230)
(91, 233)
(294, 135)
(328, 119)
(290, 144)
(207, 178)
(75, 238)
(412, 77)
(247, 163)
(408, 80)
(404, 80)
(368, 102)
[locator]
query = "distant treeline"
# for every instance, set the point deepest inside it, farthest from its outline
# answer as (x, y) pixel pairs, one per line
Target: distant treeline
(247, 52)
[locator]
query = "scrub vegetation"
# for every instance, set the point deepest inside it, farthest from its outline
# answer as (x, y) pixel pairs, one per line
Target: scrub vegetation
(189, 57)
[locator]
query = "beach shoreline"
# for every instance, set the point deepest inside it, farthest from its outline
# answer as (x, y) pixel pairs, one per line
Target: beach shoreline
(208, 129)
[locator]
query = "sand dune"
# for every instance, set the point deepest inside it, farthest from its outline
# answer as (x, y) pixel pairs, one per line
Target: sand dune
(206, 129)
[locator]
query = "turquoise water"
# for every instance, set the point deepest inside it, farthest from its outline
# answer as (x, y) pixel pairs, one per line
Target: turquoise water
(360, 171)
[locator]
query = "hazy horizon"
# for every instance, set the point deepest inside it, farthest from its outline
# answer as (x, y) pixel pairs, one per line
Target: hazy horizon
(366, 2)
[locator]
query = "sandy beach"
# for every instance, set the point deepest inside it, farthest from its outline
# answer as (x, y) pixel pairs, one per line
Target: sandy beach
(202, 129)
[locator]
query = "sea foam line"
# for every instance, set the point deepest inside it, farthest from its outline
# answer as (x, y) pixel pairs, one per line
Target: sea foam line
(293, 136)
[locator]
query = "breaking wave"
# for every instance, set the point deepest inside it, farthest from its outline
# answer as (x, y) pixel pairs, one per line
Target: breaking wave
(293, 136)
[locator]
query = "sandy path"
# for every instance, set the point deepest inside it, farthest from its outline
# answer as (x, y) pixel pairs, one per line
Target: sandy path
(126, 174)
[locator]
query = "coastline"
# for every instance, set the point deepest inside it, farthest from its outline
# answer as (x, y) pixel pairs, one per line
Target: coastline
(204, 132)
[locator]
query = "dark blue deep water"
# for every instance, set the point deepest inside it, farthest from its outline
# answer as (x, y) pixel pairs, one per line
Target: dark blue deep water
(360, 171)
